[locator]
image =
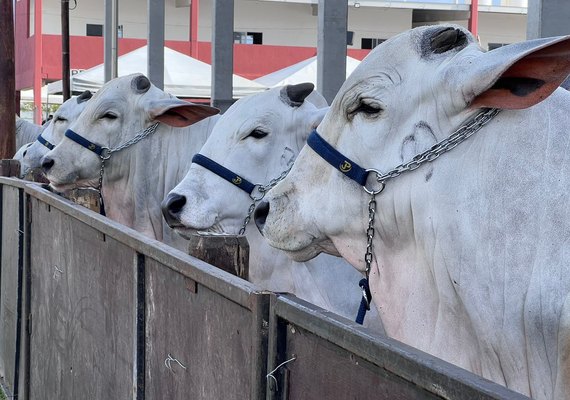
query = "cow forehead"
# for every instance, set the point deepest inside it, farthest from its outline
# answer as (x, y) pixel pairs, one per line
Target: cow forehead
(409, 51)
(262, 109)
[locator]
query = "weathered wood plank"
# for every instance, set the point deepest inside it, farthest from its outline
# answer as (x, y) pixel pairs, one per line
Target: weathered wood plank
(343, 349)
(9, 167)
(206, 274)
(227, 252)
(211, 336)
(82, 304)
(10, 276)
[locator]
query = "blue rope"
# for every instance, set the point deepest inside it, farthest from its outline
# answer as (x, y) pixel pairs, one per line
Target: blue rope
(365, 301)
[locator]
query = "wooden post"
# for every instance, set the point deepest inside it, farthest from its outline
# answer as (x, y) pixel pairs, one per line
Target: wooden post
(227, 252)
(65, 64)
(7, 81)
(10, 168)
(36, 175)
(88, 198)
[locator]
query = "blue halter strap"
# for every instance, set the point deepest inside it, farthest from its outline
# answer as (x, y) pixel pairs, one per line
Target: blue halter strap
(101, 151)
(337, 159)
(45, 142)
(358, 174)
(224, 173)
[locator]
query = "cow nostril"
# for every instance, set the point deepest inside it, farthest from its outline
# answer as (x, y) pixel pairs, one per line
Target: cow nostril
(172, 207)
(47, 164)
(260, 215)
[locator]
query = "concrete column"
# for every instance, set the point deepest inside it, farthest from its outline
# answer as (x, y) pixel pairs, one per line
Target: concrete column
(110, 40)
(548, 18)
(222, 53)
(331, 47)
(156, 42)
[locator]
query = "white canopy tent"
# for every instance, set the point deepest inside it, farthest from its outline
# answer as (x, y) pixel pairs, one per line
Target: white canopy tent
(184, 76)
(304, 71)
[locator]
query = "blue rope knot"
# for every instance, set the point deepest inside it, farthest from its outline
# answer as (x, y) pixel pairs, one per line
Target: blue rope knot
(365, 301)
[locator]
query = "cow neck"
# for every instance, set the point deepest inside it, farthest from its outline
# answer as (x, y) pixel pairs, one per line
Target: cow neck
(360, 175)
(105, 153)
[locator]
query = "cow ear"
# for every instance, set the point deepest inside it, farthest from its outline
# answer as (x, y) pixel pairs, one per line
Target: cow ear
(519, 75)
(179, 113)
(315, 119)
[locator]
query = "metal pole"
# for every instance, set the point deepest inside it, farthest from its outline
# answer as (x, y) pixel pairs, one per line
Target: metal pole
(65, 65)
(156, 42)
(222, 53)
(331, 47)
(547, 18)
(194, 15)
(38, 61)
(473, 24)
(111, 46)
(8, 81)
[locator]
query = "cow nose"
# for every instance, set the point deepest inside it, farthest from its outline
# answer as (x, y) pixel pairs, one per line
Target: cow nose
(260, 214)
(47, 163)
(171, 208)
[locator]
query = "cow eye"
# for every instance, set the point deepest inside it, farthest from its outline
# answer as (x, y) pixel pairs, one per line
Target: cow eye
(368, 109)
(60, 119)
(109, 115)
(257, 134)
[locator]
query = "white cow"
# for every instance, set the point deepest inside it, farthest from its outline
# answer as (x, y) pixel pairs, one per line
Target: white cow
(471, 253)
(31, 154)
(26, 132)
(135, 179)
(258, 138)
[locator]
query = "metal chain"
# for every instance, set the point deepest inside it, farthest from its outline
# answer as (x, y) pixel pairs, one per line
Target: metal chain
(135, 139)
(370, 233)
(106, 154)
(262, 190)
(100, 186)
(461, 134)
(248, 217)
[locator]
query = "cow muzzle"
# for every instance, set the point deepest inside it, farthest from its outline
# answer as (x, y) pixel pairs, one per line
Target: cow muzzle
(171, 209)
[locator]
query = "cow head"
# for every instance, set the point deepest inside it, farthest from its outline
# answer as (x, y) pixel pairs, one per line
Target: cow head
(66, 114)
(409, 93)
(257, 138)
(118, 111)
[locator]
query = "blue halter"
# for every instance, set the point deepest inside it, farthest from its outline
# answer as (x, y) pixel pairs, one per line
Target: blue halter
(46, 143)
(224, 173)
(337, 159)
(101, 151)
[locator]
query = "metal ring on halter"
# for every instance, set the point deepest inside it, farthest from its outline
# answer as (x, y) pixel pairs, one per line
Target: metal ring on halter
(378, 176)
(105, 153)
(258, 192)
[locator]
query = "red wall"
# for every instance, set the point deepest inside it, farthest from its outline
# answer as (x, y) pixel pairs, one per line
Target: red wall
(250, 61)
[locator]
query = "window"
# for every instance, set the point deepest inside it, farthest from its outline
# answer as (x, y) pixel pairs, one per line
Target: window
(349, 37)
(248, 37)
(370, 43)
(493, 46)
(94, 30)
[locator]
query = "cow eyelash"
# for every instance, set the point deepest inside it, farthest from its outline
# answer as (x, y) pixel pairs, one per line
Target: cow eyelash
(59, 119)
(109, 115)
(257, 134)
(369, 109)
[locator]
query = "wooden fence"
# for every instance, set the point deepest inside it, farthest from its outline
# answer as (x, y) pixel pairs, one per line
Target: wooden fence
(90, 309)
